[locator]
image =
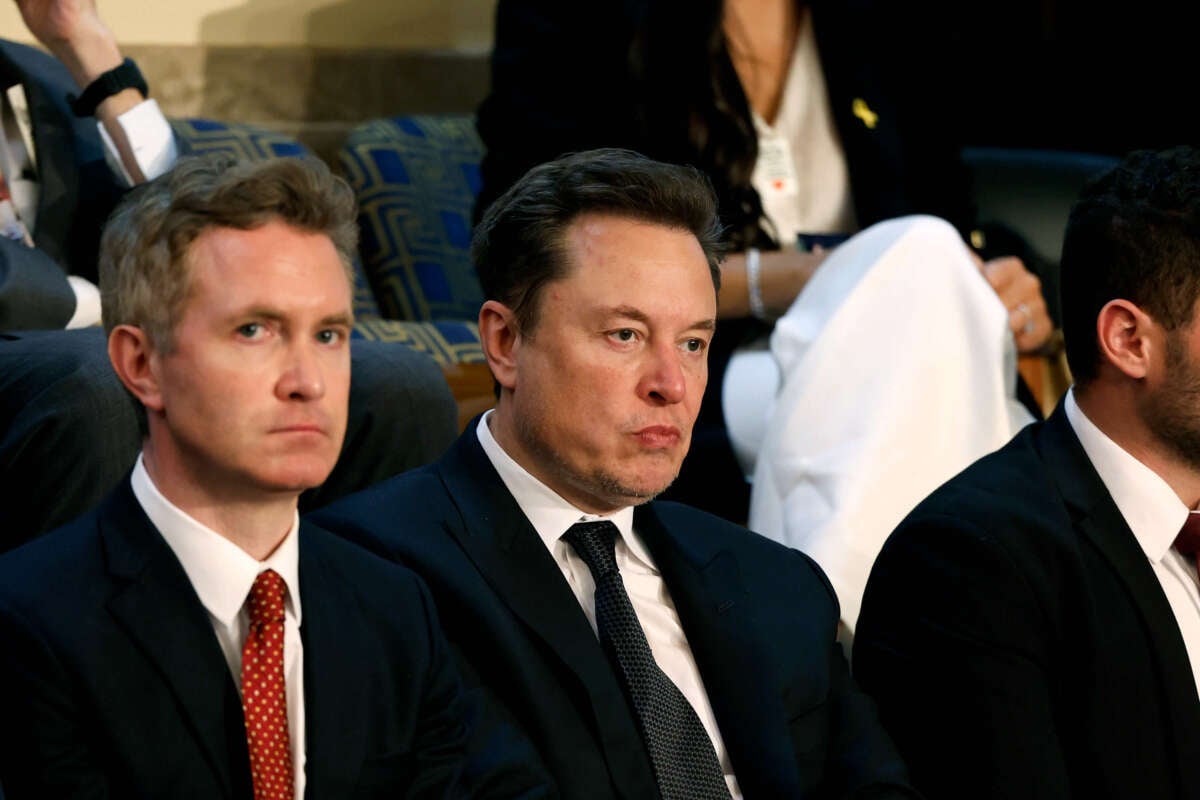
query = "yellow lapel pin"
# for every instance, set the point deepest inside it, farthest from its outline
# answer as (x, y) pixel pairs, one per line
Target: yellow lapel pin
(863, 111)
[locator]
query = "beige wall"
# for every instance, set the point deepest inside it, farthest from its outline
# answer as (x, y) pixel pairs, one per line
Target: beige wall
(462, 25)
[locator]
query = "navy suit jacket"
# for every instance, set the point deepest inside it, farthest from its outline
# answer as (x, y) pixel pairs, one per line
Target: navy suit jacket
(112, 683)
(760, 620)
(1018, 642)
(77, 190)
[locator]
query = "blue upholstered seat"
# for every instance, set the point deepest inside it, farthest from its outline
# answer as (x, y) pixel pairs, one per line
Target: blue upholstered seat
(416, 179)
(446, 330)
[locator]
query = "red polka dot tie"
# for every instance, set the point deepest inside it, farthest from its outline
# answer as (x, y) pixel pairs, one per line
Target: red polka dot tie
(264, 701)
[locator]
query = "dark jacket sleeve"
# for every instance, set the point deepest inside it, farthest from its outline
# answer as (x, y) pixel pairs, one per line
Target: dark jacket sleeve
(34, 292)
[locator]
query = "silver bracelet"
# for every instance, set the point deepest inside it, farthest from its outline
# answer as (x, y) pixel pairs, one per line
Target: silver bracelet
(753, 286)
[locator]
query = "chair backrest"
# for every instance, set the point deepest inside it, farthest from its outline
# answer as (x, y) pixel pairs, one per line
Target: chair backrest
(1031, 191)
(417, 178)
(253, 142)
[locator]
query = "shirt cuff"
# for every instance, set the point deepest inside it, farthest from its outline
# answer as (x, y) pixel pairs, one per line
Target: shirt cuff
(150, 137)
(87, 303)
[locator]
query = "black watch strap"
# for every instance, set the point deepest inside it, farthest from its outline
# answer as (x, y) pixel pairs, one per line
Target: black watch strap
(126, 75)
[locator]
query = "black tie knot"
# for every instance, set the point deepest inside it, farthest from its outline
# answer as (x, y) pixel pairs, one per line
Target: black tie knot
(595, 543)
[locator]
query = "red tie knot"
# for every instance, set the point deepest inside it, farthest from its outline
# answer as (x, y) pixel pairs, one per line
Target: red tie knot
(1188, 540)
(265, 601)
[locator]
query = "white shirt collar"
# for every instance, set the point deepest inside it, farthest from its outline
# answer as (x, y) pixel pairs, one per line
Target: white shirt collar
(1149, 505)
(546, 510)
(220, 571)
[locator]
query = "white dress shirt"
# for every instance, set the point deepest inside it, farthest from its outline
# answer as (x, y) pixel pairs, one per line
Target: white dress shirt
(551, 516)
(1155, 514)
(222, 575)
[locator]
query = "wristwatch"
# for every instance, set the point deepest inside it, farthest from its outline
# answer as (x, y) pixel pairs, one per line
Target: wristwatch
(124, 76)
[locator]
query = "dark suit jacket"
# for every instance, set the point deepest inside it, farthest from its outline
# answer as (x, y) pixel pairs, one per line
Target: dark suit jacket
(112, 683)
(1019, 644)
(760, 619)
(77, 191)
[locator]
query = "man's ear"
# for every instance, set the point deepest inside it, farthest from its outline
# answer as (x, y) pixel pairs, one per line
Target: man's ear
(134, 359)
(501, 339)
(1129, 338)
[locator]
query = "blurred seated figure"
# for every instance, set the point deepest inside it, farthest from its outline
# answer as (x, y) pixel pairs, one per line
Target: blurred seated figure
(814, 121)
(68, 431)
(78, 130)
(1032, 629)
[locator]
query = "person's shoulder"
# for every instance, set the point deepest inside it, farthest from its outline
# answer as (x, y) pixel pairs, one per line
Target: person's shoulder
(715, 530)
(1003, 489)
(355, 565)
(706, 532)
(413, 492)
(50, 570)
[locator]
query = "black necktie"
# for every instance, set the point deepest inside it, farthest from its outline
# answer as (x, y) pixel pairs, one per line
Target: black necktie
(685, 764)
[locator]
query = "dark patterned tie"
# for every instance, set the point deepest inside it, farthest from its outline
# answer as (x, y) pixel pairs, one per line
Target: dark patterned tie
(685, 764)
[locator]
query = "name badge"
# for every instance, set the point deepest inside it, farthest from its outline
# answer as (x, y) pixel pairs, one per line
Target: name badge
(775, 164)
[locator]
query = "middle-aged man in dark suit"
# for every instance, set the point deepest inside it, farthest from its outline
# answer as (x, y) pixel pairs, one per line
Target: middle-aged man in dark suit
(647, 648)
(1030, 631)
(191, 638)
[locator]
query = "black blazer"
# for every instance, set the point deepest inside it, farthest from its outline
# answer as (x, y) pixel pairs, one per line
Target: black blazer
(760, 619)
(77, 192)
(112, 683)
(1019, 644)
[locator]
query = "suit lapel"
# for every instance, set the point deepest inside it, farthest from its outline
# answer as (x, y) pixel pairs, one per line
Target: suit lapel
(156, 605)
(502, 543)
(1101, 523)
(335, 699)
(708, 593)
(507, 551)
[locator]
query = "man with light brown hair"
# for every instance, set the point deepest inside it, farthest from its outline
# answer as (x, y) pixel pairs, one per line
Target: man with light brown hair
(191, 637)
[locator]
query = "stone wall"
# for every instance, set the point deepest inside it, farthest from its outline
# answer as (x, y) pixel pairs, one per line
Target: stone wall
(315, 94)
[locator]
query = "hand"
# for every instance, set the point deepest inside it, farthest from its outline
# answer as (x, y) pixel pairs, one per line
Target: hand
(73, 31)
(1021, 292)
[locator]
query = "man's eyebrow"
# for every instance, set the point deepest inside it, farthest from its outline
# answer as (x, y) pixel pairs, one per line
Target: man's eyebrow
(275, 315)
(342, 318)
(636, 314)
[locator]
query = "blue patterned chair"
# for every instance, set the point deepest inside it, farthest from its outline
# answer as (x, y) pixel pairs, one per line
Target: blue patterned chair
(450, 340)
(416, 179)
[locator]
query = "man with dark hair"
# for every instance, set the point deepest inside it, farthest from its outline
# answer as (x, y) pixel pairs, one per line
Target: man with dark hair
(154, 647)
(1032, 629)
(647, 648)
